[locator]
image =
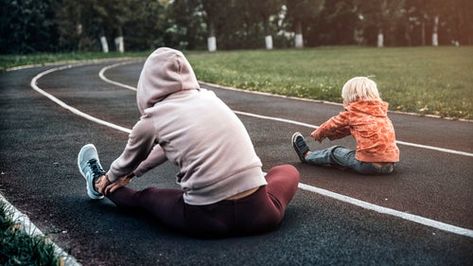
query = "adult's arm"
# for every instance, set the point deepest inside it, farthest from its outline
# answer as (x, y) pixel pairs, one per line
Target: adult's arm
(141, 141)
(155, 158)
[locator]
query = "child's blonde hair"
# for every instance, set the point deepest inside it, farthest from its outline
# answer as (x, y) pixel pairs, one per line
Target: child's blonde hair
(359, 88)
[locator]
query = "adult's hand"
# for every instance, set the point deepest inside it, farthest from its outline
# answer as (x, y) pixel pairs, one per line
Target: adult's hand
(123, 181)
(102, 183)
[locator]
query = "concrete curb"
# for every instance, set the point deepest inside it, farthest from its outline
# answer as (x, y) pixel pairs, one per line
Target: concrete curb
(28, 227)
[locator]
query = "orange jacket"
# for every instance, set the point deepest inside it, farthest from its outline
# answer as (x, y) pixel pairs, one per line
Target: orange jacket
(368, 123)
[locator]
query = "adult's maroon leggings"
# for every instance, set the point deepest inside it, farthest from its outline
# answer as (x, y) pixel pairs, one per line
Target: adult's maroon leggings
(257, 213)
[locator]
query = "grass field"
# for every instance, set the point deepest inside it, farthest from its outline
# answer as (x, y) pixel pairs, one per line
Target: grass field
(7, 61)
(19, 248)
(423, 80)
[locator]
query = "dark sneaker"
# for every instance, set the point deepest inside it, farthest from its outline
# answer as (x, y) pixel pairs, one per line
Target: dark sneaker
(300, 146)
(90, 168)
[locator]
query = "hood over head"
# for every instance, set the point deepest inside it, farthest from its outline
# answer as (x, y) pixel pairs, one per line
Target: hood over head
(166, 71)
(371, 107)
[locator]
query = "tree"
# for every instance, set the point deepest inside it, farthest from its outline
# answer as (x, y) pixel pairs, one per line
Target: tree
(214, 15)
(301, 12)
(421, 14)
(27, 26)
(381, 15)
(264, 9)
(459, 21)
(146, 27)
(82, 24)
(335, 25)
(184, 28)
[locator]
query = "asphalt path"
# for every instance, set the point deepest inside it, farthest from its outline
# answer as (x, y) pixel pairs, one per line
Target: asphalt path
(40, 141)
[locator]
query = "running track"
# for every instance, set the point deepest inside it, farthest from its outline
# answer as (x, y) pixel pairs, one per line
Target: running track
(428, 199)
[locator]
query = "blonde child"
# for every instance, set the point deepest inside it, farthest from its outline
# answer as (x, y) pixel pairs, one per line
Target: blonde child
(365, 118)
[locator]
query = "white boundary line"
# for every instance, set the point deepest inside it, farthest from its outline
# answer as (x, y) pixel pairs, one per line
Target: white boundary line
(68, 107)
(28, 227)
(397, 141)
(366, 205)
(81, 61)
(380, 209)
(18, 216)
(102, 76)
(328, 102)
(288, 121)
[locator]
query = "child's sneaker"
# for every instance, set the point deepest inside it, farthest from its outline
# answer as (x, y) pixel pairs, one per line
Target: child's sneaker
(90, 168)
(300, 146)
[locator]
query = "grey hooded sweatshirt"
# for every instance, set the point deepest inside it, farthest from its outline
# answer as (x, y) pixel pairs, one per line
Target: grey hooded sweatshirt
(192, 128)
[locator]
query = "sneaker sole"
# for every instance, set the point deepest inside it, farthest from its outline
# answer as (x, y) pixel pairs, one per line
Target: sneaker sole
(89, 189)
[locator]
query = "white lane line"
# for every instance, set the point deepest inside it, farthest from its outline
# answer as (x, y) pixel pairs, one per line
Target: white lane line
(35, 87)
(380, 209)
(104, 78)
(403, 215)
(288, 121)
(427, 147)
(326, 102)
(29, 228)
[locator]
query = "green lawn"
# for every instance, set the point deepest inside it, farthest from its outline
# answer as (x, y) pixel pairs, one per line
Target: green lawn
(8, 61)
(19, 248)
(423, 80)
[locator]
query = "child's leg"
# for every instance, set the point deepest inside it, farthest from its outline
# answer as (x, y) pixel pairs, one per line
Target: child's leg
(346, 158)
(336, 155)
(341, 156)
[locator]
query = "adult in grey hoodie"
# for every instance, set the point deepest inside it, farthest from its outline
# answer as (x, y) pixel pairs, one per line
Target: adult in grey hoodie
(223, 188)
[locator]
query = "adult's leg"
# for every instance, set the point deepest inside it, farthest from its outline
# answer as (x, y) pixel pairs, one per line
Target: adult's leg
(259, 212)
(166, 205)
(256, 213)
(264, 210)
(282, 185)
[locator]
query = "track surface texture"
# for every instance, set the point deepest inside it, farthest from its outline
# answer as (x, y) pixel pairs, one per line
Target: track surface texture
(40, 141)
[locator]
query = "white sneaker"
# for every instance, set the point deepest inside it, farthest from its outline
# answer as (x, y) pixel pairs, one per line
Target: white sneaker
(90, 168)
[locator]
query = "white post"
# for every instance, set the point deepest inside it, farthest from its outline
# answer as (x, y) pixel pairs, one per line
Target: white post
(103, 41)
(119, 44)
(435, 36)
(79, 29)
(212, 44)
(435, 39)
(380, 40)
(269, 42)
(299, 42)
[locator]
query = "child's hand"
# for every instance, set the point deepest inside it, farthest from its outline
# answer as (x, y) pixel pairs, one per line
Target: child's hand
(316, 136)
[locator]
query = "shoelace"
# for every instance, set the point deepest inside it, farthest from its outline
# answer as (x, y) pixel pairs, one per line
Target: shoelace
(96, 169)
(300, 142)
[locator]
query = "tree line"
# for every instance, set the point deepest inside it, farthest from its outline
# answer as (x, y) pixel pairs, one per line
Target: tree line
(28, 26)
